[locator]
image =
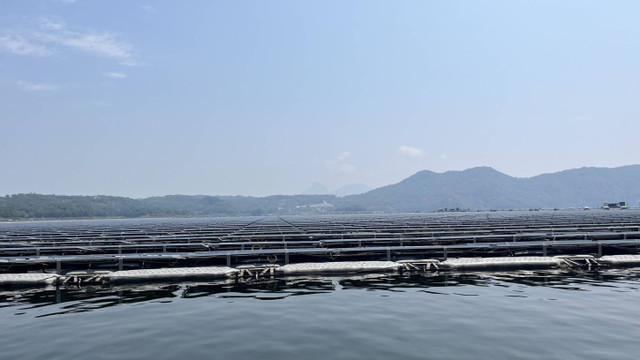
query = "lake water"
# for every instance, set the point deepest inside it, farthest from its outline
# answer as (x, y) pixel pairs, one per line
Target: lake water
(520, 315)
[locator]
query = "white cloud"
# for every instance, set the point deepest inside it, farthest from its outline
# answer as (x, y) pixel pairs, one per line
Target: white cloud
(20, 46)
(49, 24)
(67, 1)
(338, 164)
(147, 8)
(50, 34)
(103, 44)
(343, 156)
(443, 156)
(338, 159)
(409, 151)
(115, 75)
(37, 86)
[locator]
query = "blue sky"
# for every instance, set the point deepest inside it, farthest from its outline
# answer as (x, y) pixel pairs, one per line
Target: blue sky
(142, 98)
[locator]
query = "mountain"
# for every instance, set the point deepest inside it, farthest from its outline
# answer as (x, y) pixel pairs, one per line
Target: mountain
(486, 188)
(316, 189)
(36, 206)
(29, 206)
(203, 205)
(479, 188)
(588, 186)
(351, 189)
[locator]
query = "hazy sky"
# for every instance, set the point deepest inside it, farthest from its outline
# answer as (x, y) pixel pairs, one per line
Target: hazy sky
(141, 98)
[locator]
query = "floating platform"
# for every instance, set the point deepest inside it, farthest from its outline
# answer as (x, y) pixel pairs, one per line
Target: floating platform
(339, 267)
(191, 273)
(626, 260)
(310, 269)
(28, 279)
(521, 262)
(268, 246)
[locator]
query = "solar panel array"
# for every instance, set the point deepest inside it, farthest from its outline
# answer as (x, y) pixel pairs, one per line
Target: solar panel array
(146, 243)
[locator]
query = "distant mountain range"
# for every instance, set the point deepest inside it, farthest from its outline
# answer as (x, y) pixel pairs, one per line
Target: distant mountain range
(480, 188)
(351, 189)
(485, 188)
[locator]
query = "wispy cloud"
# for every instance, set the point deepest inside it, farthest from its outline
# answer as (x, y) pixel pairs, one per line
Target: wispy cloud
(37, 86)
(67, 1)
(49, 24)
(18, 45)
(147, 8)
(338, 163)
(104, 44)
(409, 151)
(51, 35)
(115, 75)
(343, 156)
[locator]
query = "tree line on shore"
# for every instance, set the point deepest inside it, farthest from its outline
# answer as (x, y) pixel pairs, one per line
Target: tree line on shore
(37, 206)
(480, 188)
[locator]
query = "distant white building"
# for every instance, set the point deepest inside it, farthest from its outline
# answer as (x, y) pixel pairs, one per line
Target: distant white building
(322, 205)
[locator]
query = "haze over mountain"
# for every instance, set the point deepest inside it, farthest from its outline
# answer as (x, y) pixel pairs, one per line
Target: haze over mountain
(480, 188)
(351, 189)
(316, 189)
(486, 188)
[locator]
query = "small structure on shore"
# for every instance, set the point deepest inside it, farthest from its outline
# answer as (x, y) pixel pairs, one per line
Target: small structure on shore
(618, 205)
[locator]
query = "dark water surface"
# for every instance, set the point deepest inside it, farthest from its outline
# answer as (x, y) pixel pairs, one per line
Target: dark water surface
(522, 315)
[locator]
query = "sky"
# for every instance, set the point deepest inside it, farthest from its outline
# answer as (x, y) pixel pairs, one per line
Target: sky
(147, 98)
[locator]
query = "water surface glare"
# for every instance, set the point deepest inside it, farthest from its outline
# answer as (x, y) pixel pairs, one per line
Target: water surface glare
(522, 315)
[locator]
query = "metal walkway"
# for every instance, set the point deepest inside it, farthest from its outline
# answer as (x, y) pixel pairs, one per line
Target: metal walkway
(63, 246)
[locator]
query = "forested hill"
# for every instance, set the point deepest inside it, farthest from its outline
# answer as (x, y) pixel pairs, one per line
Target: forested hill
(484, 188)
(36, 206)
(27, 206)
(480, 188)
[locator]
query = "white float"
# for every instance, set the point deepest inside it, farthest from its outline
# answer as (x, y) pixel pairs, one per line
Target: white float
(339, 267)
(501, 262)
(620, 259)
(209, 272)
(28, 279)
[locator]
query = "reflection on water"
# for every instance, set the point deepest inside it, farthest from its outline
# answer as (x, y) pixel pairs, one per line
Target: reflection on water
(73, 299)
(521, 315)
